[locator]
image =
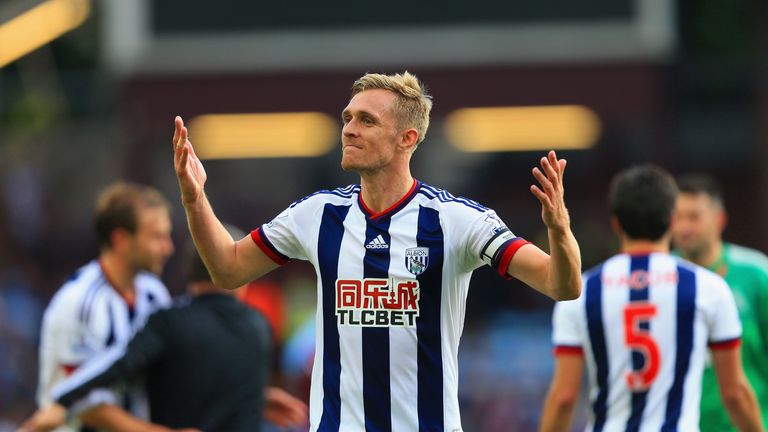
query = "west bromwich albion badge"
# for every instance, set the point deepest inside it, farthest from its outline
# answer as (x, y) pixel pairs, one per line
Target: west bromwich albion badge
(416, 260)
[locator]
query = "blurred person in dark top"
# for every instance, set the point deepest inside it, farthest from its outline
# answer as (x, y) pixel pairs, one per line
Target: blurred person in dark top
(205, 364)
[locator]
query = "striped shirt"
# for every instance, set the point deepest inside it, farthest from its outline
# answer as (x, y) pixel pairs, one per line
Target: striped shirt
(643, 324)
(391, 290)
(86, 317)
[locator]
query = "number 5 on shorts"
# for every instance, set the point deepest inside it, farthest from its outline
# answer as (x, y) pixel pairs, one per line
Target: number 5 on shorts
(640, 340)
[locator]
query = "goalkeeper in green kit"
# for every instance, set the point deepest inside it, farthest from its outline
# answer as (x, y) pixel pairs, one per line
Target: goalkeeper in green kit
(699, 221)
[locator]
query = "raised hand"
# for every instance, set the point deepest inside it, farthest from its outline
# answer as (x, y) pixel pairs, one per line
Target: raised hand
(189, 170)
(550, 177)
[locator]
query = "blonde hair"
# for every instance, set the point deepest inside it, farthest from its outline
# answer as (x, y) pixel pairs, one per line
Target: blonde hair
(412, 103)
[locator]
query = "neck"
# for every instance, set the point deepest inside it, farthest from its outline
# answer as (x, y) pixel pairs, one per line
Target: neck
(381, 190)
(634, 247)
(707, 257)
(118, 271)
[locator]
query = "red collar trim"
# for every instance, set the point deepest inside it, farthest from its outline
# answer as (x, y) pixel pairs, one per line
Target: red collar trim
(128, 300)
(640, 253)
(394, 207)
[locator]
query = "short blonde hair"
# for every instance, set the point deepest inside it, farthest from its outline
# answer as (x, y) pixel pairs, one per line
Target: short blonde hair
(412, 103)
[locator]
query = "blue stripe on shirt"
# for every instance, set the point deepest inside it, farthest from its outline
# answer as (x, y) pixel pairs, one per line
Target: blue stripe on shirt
(430, 361)
(328, 251)
(594, 309)
(377, 401)
(686, 314)
(445, 196)
(638, 294)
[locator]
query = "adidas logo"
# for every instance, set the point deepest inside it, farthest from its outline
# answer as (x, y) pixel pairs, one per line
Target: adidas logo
(377, 243)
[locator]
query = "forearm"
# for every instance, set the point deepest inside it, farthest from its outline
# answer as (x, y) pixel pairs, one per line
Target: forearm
(556, 415)
(216, 247)
(743, 409)
(115, 365)
(115, 419)
(564, 279)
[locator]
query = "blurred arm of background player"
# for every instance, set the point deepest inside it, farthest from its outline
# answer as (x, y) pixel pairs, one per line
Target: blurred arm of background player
(231, 263)
(738, 397)
(281, 409)
(118, 365)
(109, 417)
(557, 413)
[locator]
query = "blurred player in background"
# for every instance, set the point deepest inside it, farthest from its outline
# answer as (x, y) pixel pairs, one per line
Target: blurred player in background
(205, 364)
(393, 256)
(700, 219)
(107, 300)
(642, 326)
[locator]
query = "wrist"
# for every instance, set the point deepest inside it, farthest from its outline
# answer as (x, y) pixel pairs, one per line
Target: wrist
(194, 204)
(559, 230)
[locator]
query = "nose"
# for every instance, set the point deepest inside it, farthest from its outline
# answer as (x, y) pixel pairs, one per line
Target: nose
(349, 129)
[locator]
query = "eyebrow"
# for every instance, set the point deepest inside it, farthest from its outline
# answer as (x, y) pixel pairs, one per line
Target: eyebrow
(361, 112)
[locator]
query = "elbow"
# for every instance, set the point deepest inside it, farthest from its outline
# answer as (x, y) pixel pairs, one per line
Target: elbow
(225, 282)
(570, 292)
(564, 400)
(736, 398)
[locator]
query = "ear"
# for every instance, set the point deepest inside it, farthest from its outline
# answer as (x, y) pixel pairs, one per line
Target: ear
(722, 220)
(672, 219)
(119, 238)
(616, 226)
(408, 139)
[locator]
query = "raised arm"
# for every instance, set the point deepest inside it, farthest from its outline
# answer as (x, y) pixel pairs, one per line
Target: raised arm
(557, 275)
(231, 263)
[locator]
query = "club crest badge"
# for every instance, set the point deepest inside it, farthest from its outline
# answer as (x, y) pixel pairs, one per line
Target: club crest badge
(416, 260)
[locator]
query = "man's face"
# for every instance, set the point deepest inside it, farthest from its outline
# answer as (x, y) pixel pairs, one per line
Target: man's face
(370, 134)
(151, 245)
(698, 223)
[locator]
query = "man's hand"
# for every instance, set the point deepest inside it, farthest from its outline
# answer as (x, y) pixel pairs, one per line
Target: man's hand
(553, 210)
(284, 410)
(189, 169)
(45, 419)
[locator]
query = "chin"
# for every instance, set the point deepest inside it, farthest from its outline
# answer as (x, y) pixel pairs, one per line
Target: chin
(155, 269)
(349, 166)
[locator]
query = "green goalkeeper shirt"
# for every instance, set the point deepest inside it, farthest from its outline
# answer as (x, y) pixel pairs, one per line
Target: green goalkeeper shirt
(746, 271)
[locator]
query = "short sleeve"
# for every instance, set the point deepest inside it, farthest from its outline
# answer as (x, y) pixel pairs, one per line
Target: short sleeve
(279, 239)
(490, 242)
(724, 322)
(567, 334)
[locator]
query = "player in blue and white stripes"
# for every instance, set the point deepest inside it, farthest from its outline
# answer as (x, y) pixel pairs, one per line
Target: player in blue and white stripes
(107, 300)
(643, 325)
(393, 258)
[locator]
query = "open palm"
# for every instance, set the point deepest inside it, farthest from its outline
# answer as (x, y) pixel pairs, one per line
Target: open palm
(189, 169)
(551, 191)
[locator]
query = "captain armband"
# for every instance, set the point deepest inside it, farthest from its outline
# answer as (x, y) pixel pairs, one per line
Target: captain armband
(493, 249)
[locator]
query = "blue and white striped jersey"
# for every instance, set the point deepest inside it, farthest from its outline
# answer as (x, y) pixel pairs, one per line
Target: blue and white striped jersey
(87, 316)
(643, 324)
(391, 293)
